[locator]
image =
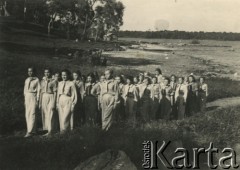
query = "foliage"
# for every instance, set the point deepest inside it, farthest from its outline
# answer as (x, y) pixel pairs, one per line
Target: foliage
(78, 18)
(222, 88)
(195, 41)
(181, 35)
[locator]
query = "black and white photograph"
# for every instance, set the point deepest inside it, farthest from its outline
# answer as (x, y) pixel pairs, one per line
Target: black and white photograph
(119, 84)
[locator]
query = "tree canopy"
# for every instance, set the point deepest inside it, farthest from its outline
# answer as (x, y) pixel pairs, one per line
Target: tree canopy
(81, 19)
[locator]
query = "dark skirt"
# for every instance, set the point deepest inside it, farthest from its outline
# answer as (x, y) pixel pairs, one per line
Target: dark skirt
(145, 109)
(192, 104)
(166, 108)
(90, 109)
(119, 113)
(202, 100)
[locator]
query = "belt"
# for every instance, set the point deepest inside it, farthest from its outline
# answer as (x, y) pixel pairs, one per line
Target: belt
(109, 93)
(32, 92)
(48, 93)
(65, 95)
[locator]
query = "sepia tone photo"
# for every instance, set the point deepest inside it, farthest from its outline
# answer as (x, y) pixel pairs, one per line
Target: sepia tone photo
(119, 84)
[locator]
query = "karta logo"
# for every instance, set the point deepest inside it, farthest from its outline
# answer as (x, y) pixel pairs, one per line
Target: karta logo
(153, 154)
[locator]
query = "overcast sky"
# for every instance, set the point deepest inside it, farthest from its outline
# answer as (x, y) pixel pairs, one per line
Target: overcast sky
(187, 15)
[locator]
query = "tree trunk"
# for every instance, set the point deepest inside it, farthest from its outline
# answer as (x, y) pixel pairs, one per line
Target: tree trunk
(68, 31)
(49, 27)
(24, 11)
(50, 23)
(6, 14)
(96, 36)
(85, 26)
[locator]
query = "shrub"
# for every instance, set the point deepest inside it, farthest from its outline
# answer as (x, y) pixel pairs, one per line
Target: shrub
(195, 41)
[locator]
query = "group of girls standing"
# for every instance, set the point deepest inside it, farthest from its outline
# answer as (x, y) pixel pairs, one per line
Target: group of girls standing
(70, 100)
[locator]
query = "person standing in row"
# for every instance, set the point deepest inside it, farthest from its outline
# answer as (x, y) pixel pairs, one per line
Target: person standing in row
(56, 79)
(192, 98)
(109, 92)
(131, 97)
(158, 75)
(173, 85)
(31, 97)
(203, 94)
(78, 114)
(48, 101)
(90, 102)
(165, 101)
(119, 113)
(66, 101)
(96, 91)
(181, 98)
(155, 95)
(145, 99)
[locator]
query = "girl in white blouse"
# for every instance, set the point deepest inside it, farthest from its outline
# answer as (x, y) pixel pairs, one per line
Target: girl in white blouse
(31, 96)
(66, 100)
(203, 94)
(47, 101)
(181, 98)
(130, 95)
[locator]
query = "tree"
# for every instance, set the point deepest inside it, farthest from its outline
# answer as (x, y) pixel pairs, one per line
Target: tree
(108, 18)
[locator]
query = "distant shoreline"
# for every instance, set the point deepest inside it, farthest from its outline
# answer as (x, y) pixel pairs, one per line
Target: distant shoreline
(220, 36)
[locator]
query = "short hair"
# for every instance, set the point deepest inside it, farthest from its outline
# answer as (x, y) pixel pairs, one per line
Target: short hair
(47, 68)
(202, 78)
(33, 70)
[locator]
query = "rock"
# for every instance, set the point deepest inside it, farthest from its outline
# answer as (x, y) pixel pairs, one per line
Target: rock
(109, 160)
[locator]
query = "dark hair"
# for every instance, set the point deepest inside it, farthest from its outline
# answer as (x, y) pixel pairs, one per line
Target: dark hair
(47, 68)
(77, 72)
(148, 79)
(92, 76)
(57, 72)
(121, 78)
(33, 70)
(130, 78)
(192, 78)
(167, 78)
(202, 78)
(67, 72)
(110, 70)
(83, 78)
(140, 75)
(95, 73)
(158, 70)
(181, 78)
(102, 75)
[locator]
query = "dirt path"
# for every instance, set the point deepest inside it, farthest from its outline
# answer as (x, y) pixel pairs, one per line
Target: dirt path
(224, 103)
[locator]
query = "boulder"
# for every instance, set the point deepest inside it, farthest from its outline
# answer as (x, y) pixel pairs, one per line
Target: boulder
(108, 160)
